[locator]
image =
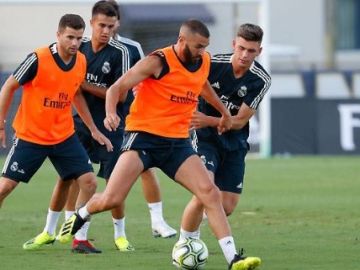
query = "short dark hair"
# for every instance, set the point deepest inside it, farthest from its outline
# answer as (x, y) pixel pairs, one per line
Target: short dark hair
(250, 32)
(73, 21)
(196, 26)
(105, 8)
(116, 7)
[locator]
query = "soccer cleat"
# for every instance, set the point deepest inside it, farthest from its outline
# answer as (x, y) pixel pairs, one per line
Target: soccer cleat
(83, 247)
(244, 263)
(70, 227)
(163, 230)
(122, 244)
(42, 239)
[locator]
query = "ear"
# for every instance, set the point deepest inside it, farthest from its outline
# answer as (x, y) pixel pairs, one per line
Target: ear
(260, 50)
(233, 44)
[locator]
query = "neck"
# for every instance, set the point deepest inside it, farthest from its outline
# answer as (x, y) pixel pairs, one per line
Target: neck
(239, 71)
(97, 46)
(63, 55)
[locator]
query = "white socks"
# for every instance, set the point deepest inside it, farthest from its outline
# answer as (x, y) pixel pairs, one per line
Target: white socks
(156, 213)
(68, 214)
(82, 233)
(83, 212)
(185, 234)
(119, 227)
(51, 221)
(228, 247)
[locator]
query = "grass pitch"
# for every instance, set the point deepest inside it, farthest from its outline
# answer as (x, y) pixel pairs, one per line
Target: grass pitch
(296, 214)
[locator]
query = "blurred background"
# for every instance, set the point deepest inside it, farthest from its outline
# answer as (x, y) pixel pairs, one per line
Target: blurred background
(311, 49)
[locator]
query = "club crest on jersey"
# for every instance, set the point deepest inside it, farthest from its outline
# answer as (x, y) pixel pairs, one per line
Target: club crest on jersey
(106, 68)
(242, 91)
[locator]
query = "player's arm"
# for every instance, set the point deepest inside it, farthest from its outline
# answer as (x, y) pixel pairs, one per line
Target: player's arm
(80, 104)
(6, 96)
(210, 96)
(242, 117)
(93, 89)
(149, 66)
(201, 120)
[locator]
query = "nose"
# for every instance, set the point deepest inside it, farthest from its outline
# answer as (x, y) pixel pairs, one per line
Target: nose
(106, 30)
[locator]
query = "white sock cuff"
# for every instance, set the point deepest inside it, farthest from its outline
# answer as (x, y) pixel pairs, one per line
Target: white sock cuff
(68, 214)
(155, 206)
(83, 212)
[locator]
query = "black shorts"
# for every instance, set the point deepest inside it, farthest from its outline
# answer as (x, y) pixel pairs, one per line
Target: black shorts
(25, 158)
(164, 153)
(228, 166)
(97, 152)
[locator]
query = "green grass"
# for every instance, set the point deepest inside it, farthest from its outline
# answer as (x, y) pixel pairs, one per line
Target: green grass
(296, 213)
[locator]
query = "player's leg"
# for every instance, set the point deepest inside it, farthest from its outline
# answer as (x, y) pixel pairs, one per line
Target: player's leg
(209, 195)
(21, 163)
(229, 201)
(152, 194)
(194, 211)
(118, 219)
(72, 162)
(128, 168)
(6, 187)
(23, 160)
(57, 203)
(108, 161)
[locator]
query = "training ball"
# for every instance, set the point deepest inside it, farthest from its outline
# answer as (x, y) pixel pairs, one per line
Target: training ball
(190, 254)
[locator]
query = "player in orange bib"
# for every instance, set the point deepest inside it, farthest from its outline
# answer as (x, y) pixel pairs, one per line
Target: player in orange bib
(43, 124)
(168, 83)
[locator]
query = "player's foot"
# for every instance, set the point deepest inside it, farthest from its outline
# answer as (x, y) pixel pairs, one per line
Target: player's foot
(70, 227)
(163, 230)
(122, 244)
(83, 247)
(42, 239)
(241, 262)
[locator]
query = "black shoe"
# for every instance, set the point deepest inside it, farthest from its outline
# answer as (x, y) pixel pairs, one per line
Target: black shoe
(70, 227)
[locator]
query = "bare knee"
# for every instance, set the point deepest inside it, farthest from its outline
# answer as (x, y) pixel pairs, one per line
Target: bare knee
(108, 201)
(209, 194)
(6, 187)
(229, 202)
(88, 183)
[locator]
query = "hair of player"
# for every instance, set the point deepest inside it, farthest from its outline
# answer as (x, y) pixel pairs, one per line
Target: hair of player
(250, 32)
(105, 8)
(116, 7)
(197, 27)
(73, 21)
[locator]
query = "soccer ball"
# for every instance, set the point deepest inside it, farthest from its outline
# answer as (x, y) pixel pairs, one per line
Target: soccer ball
(190, 254)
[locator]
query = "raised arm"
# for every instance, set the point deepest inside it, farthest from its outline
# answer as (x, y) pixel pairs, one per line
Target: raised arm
(145, 68)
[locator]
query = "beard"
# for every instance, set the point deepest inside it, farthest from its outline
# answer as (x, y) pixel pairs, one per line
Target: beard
(189, 57)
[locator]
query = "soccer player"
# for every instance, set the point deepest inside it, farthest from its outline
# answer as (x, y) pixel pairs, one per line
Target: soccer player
(241, 83)
(168, 83)
(43, 124)
(107, 59)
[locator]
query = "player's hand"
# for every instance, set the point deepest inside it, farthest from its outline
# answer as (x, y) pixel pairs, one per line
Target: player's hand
(3, 138)
(224, 124)
(198, 120)
(102, 139)
(111, 122)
